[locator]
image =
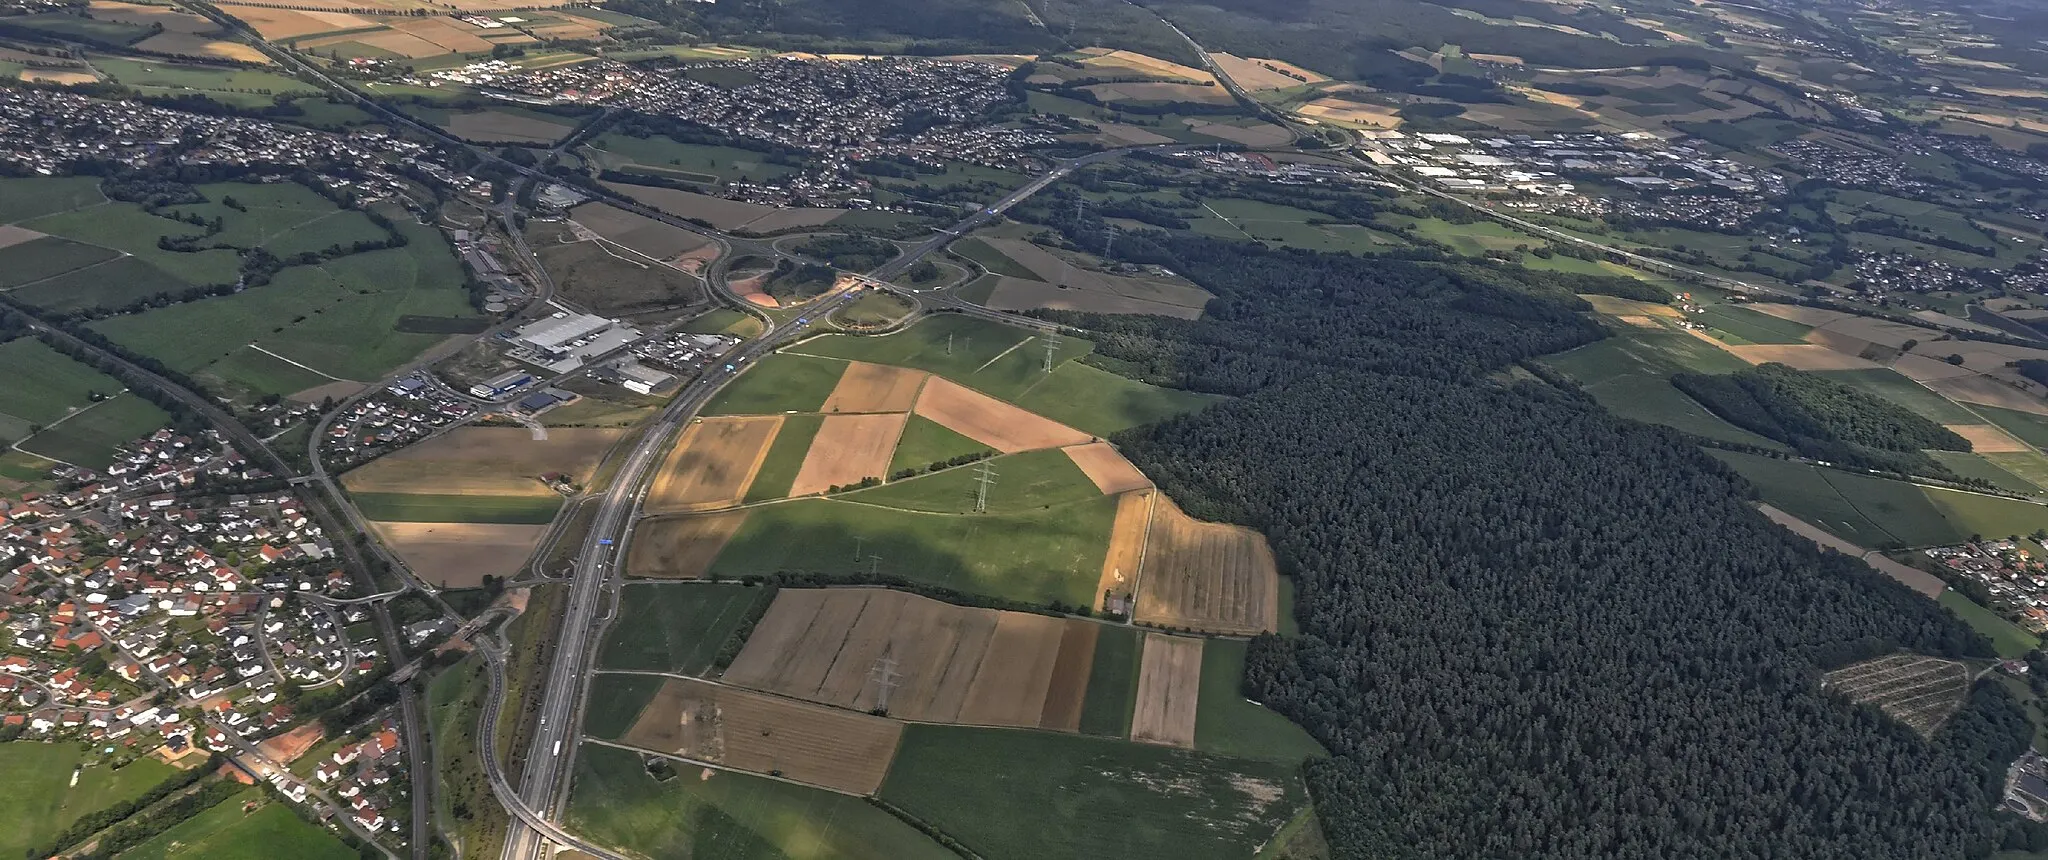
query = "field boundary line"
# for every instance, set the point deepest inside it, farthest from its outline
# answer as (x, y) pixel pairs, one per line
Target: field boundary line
(47, 427)
(117, 255)
(714, 766)
(1013, 348)
(252, 345)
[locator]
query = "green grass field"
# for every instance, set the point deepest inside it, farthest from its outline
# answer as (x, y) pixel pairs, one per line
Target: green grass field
(990, 357)
(1037, 556)
(785, 458)
(1630, 375)
(89, 438)
(1100, 402)
(731, 816)
(1892, 386)
(1113, 684)
(225, 832)
(244, 86)
(925, 442)
(47, 257)
(79, 26)
(1981, 466)
(1872, 512)
(112, 284)
(677, 627)
(1228, 724)
(261, 373)
(431, 508)
(1990, 516)
(23, 198)
(44, 384)
(2028, 466)
(724, 321)
(127, 227)
(615, 702)
(1063, 795)
(780, 382)
(2006, 637)
(1748, 326)
(995, 261)
(690, 162)
(42, 800)
(1027, 481)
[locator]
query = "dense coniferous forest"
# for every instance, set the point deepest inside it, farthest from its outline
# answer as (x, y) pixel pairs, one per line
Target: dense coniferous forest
(1529, 629)
(1823, 419)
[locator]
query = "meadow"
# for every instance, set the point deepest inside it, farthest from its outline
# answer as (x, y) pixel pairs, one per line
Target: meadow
(2007, 638)
(732, 816)
(47, 257)
(433, 508)
(704, 164)
(1226, 723)
(225, 832)
(785, 458)
(455, 699)
(241, 86)
(1094, 400)
(677, 627)
(1087, 796)
(778, 382)
(128, 228)
(1891, 385)
(30, 197)
(1630, 372)
(616, 701)
(1028, 481)
(89, 438)
(1037, 556)
(43, 802)
(1872, 512)
(45, 385)
(1112, 684)
(925, 442)
(111, 284)
(1740, 325)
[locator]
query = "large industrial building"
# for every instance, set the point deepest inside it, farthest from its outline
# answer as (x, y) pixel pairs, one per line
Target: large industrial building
(564, 341)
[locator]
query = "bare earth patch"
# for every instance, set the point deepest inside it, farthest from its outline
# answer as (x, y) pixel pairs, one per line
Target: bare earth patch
(340, 389)
(459, 555)
(756, 732)
(712, 464)
(1169, 687)
(1914, 689)
(680, 547)
(847, 449)
(1210, 577)
(868, 387)
(11, 235)
(1109, 470)
(992, 422)
(1988, 438)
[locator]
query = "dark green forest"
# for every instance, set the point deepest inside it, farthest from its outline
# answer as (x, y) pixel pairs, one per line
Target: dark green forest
(1529, 629)
(1823, 419)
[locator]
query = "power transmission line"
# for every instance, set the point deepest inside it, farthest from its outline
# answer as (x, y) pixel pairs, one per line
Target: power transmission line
(983, 477)
(1052, 345)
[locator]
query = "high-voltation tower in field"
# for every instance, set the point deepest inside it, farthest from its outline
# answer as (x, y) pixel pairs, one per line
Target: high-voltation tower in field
(1052, 345)
(983, 477)
(886, 679)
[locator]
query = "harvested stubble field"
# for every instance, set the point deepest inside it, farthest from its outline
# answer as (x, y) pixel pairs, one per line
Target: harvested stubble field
(459, 555)
(848, 449)
(1988, 391)
(1126, 547)
(712, 464)
(645, 235)
(1989, 438)
(1109, 470)
(173, 19)
(680, 547)
(1799, 356)
(275, 24)
(188, 45)
(1159, 91)
(992, 422)
(956, 664)
(1255, 74)
(1207, 576)
(1916, 690)
(485, 461)
(1169, 689)
(869, 387)
(757, 732)
(1131, 62)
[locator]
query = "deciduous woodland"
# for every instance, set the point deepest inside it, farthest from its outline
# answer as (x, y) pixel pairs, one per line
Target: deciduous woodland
(1530, 629)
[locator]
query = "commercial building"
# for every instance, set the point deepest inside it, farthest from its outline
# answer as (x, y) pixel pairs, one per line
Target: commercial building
(498, 385)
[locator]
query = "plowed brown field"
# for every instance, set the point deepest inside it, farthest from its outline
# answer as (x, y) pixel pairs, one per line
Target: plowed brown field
(1986, 391)
(1109, 470)
(1988, 439)
(992, 422)
(459, 555)
(680, 547)
(951, 664)
(847, 449)
(757, 732)
(1169, 687)
(712, 464)
(1207, 576)
(875, 388)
